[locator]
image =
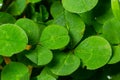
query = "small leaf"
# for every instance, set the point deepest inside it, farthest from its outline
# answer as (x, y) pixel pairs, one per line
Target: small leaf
(13, 39)
(64, 63)
(79, 6)
(54, 37)
(111, 31)
(40, 56)
(15, 71)
(56, 11)
(115, 4)
(17, 7)
(6, 18)
(31, 29)
(94, 52)
(116, 55)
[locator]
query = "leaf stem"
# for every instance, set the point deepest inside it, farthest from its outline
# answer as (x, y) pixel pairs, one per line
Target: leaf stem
(7, 60)
(28, 47)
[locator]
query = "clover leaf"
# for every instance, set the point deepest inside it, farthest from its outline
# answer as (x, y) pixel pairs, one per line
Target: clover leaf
(94, 52)
(13, 39)
(54, 37)
(15, 71)
(79, 6)
(40, 56)
(64, 63)
(31, 29)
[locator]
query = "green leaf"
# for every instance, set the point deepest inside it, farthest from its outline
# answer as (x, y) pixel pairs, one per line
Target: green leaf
(31, 29)
(6, 18)
(1, 3)
(17, 7)
(40, 56)
(115, 4)
(94, 52)
(106, 16)
(54, 37)
(64, 63)
(33, 1)
(76, 28)
(87, 17)
(15, 71)
(71, 21)
(116, 55)
(79, 6)
(46, 74)
(111, 31)
(13, 39)
(56, 11)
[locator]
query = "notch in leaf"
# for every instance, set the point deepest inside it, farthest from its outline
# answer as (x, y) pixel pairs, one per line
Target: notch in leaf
(54, 37)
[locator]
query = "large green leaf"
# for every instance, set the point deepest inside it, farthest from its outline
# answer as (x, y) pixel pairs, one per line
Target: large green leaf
(31, 28)
(6, 18)
(94, 51)
(111, 31)
(79, 6)
(54, 37)
(64, 63)
(17, 7)
(15, 71)
(40, 56)
(13, 39)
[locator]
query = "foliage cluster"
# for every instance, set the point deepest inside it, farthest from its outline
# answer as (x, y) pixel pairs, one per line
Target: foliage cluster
(59, 39)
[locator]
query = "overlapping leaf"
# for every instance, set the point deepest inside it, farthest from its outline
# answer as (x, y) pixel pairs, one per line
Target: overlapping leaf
(13, 38)
(64, 63)
(54, 37)
(15, 71)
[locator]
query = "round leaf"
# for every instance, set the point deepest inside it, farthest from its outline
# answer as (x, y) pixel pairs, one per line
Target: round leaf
(79, 6)
(54, 37)
(6, 18)
(64, 63)
(15, 71)
(111, 31)
(12, 39)
(40, 55)
(56, 11)
(17, 7)
(31, 29)
(94, 51)
(116, 55)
